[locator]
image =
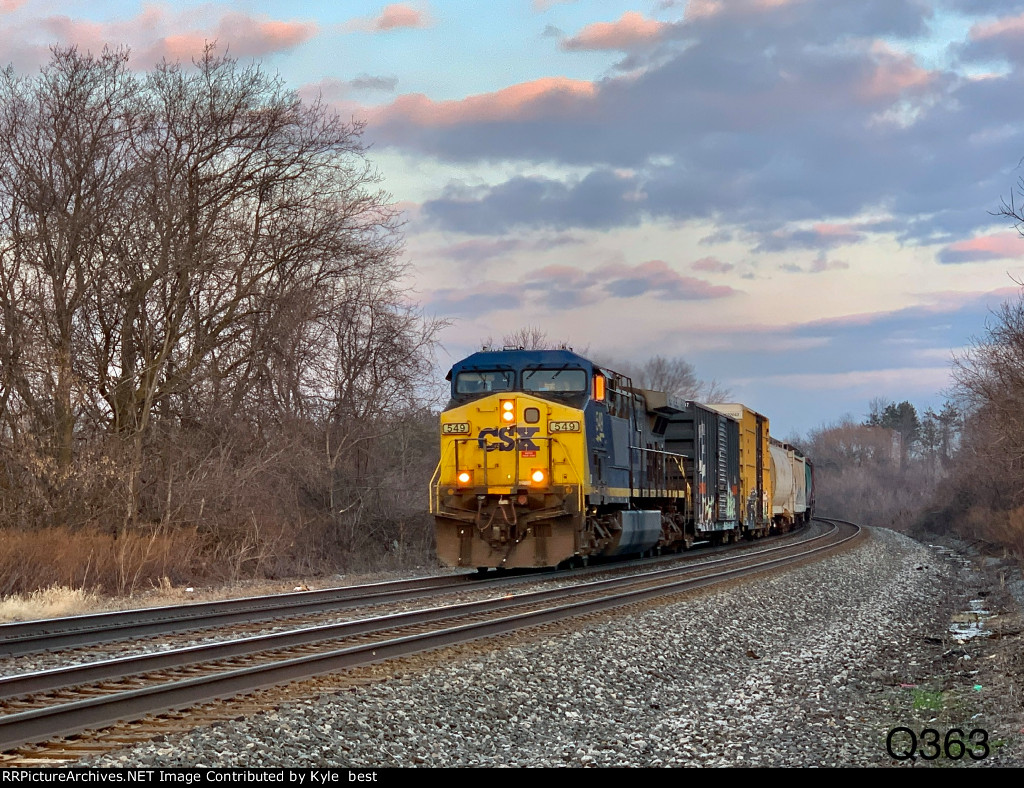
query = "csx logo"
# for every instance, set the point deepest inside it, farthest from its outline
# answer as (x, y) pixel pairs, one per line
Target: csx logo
(508, 438)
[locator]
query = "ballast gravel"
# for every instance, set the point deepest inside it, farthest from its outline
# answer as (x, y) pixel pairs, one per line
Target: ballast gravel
(811, 667)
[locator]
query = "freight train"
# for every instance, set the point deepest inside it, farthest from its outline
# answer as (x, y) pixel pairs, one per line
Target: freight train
(548, 459)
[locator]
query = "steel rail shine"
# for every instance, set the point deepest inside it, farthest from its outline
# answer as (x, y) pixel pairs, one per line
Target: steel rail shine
(36, 724)
(108, 670)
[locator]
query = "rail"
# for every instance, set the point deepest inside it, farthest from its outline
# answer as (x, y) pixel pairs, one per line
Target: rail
(391, 637)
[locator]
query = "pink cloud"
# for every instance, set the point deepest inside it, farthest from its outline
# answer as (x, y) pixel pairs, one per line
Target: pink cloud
(822, 235)
(767, 5)
(237, 33)
(711, 265)
(565, 274)
(740, 9)
(702, 9)
(154, 34)
(524, 101)
(1010, 27)
(630, 31)
(827, 228)
(894, 74)
(329, 89)
(396, 16)
(88, 35)
(984, 247)
(846, 233)
(659, 279)
(410, 210)
(6, 6)
(262, 36)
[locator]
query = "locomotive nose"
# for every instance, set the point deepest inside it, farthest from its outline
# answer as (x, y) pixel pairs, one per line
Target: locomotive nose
(509, 463)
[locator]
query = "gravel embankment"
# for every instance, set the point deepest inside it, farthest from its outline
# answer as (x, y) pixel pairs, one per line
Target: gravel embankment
(811, 667)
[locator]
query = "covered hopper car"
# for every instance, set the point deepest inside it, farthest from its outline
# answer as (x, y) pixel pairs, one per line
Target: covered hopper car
(548, 458)
(792, 486)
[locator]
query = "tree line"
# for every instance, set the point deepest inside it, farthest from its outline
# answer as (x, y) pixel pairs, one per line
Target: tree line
(201, 326)
(985, 497)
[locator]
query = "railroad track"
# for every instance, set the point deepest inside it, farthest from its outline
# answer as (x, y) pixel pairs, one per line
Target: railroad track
(233, 617)
(39, 706)
(72, 632)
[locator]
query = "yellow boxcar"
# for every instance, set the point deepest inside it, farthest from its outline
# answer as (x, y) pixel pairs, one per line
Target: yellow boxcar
(755, 467)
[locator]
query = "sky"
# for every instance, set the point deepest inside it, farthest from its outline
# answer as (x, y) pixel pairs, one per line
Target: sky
(799, 197)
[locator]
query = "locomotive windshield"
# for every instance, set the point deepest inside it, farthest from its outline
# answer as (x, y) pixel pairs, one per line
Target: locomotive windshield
(561, 379)
(481, 382)
(557, 375)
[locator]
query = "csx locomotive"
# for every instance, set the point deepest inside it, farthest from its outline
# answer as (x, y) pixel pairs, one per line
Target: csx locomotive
(548, 459)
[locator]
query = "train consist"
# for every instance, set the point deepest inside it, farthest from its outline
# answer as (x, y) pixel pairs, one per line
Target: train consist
(547, 459)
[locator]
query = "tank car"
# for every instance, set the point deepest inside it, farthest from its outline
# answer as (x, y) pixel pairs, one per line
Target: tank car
(547, 458)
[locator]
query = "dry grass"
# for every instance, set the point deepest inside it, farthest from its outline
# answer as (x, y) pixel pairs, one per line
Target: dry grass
(52, 572)
(1004, 529)
(93, 558)
(61, 601)
(173, 565)
(48, 603)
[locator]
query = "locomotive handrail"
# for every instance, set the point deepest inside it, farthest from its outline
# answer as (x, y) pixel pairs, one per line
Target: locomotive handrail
(668, 491)
(435, 480)
(435, 484)
(660, 451)
(572, 466)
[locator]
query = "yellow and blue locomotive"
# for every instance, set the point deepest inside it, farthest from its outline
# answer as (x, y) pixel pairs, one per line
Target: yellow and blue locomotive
(547, 458)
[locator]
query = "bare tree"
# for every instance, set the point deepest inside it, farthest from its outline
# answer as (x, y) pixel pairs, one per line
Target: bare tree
(876, 411)
(859, 471)
(989, 379)
(675, 376)
(63, 162)
(200, 292)
(527, 338)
